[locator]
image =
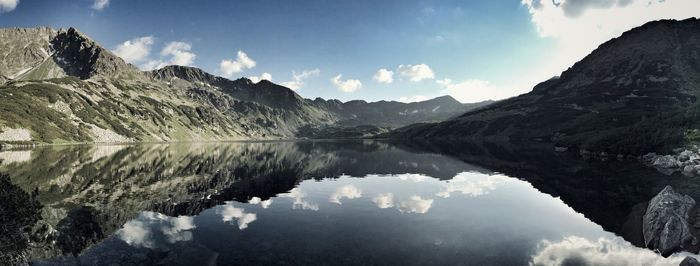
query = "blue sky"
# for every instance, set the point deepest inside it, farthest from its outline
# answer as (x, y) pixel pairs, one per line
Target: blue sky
(473, 50)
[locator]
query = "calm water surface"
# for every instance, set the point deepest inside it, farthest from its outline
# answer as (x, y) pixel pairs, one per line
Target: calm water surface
(323, 203)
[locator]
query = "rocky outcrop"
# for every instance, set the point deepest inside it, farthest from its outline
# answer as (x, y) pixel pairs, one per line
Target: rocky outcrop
(665, 225)
(686, 161)
(689, 261)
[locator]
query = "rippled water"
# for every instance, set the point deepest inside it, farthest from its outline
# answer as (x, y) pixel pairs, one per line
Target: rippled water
(317, 203)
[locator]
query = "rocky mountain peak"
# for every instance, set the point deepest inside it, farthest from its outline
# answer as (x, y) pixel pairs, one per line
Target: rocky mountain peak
(191, 74)
(82, 57)
(42, 53)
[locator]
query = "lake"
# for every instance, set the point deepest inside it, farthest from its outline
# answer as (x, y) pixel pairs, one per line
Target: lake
(326, 203)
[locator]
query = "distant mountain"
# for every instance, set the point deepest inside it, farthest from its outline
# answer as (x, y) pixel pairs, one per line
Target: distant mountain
(633, 94)
(59, 86)
(395, 114)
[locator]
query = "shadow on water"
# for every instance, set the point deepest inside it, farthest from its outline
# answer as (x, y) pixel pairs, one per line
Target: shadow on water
(89, 192)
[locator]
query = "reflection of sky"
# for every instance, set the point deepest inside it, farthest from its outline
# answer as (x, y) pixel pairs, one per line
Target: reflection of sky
(472, 184)
(229, 214)
(573, 250)
(299, 200)
(153, 230)
(405, 215)
(346, 191)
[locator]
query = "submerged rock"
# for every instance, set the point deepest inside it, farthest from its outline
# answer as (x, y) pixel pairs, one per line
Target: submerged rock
(665, 225)
(689, 261)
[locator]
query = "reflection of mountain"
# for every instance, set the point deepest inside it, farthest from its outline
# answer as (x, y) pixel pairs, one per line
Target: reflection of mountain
(611, 194)
(91, 191)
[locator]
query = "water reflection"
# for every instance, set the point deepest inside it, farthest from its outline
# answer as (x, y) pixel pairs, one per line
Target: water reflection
(301, 202)
(229, 214)
(153, 230)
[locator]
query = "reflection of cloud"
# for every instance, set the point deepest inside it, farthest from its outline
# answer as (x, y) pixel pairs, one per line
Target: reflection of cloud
(347, 191)
(472, 185)
(299, 202)
(415, 204)
(384, 200)
(229, 213)
(413, 177)
(575, 250)
(8, 157)
(150, 227)
(263, 203)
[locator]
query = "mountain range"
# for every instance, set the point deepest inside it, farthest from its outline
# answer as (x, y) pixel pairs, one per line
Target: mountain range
(59, 86)
(633, 94)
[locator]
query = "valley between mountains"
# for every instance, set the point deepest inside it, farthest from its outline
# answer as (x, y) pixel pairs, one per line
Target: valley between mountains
(634, 94)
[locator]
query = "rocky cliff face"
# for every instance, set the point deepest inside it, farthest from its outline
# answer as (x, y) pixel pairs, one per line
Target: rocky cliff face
(633, 94)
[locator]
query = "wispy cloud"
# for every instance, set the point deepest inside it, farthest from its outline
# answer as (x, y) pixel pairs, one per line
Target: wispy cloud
(298, 79)
(98, 5)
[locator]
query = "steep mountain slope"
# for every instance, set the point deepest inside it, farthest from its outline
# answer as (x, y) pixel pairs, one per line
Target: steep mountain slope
(73, 90)
(59, 86)
(632, 94)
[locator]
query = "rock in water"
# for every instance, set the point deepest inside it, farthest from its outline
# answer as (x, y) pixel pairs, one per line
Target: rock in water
(665, 224)
(689, 261)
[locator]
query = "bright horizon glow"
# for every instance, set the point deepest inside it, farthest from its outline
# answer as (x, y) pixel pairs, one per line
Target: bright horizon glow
(397, 50)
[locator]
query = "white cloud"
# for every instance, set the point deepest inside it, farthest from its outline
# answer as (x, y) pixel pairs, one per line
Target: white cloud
(384, 200)
(229, 213)
(473, 185)
(474, 90)
(384, 76)
(100, 4)
(135, 50)
(412, 99)
(349, 85)
(298, 78)
(416, 73)
(578, 27)
(138, 50)
(230, 66)
(346, 191)
(574, 250)
(179, 52)
(8, 5)
(263, 76)
(415, 204)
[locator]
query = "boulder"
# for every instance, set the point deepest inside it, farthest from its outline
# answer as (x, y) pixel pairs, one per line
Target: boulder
(665, 224)
(689, 169)
(649, 158)
(689, 261)
(560, 149)
(666, 161)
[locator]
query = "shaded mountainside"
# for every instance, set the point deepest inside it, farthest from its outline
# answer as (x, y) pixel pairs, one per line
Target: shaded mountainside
(58, 86)
(633, 94)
